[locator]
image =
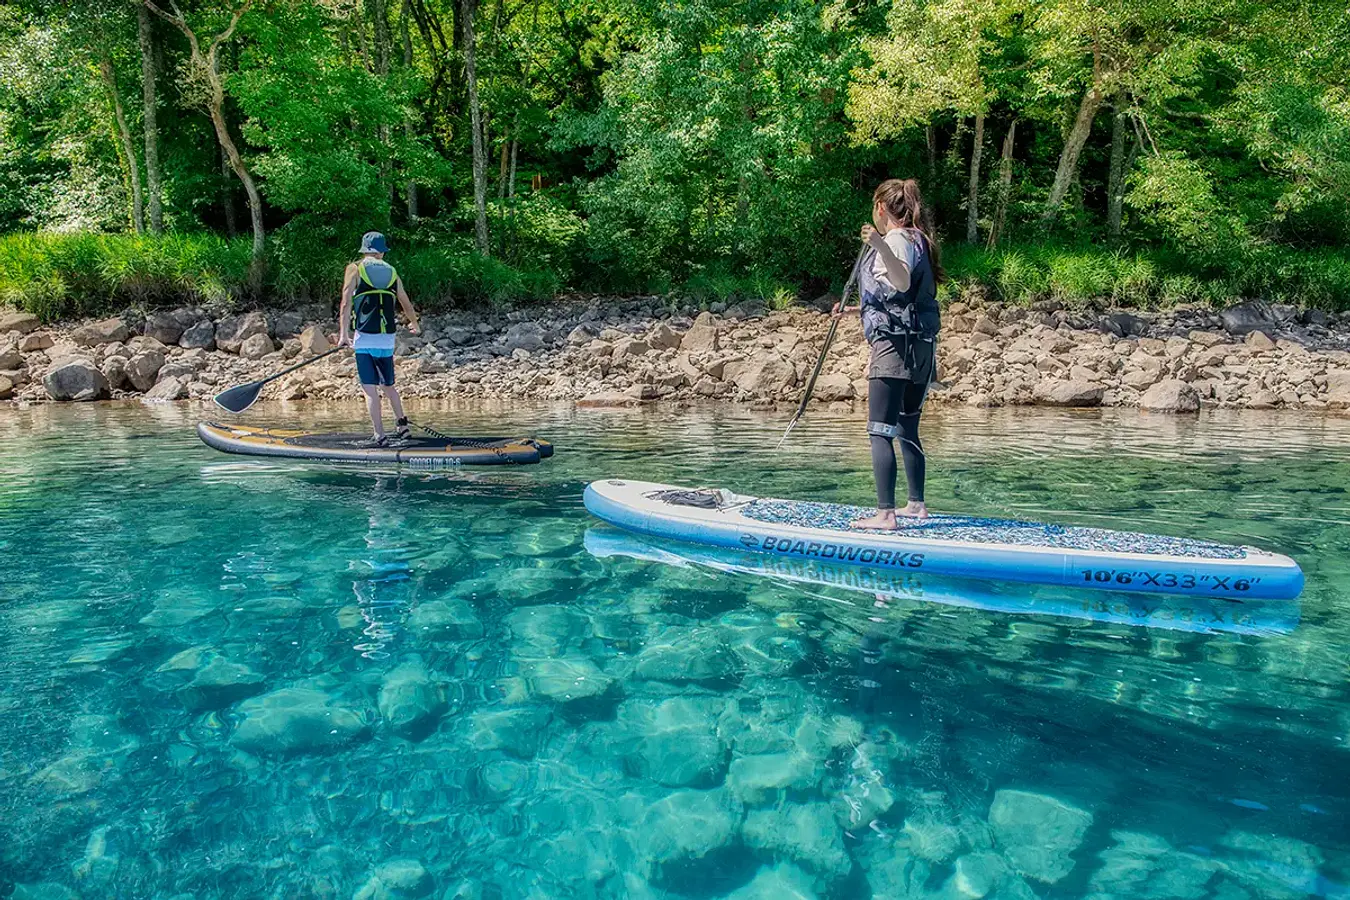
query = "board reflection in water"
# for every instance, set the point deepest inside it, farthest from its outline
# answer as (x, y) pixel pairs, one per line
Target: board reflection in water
(880, 589)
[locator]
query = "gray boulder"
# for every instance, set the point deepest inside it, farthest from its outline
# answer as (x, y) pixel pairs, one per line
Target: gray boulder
(256, 346)
(1246, 318)
(114, 369)
(313, 341)
(1338, 389)
(107, 331)
(1069, 393)
(663, 337)
(703, 337)
(232, 331)
(1171, 396)
(201, 336)
(6, 387)
(170, 388)
(142, 369)
(77, 379)
(834, 386)
(21, 322)
(10, 357)
(163, 327)
(287, 324)
(766, 375)
(1123, 324)
(523, 336)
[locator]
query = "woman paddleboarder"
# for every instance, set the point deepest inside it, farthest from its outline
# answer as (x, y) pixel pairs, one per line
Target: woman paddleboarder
(897, 289)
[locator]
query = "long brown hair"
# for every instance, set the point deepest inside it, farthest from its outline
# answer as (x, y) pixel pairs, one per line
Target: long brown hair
(900, 198)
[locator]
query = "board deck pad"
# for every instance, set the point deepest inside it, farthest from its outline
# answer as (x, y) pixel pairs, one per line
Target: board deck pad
(963, 546)
(968, 529)
(356, 448)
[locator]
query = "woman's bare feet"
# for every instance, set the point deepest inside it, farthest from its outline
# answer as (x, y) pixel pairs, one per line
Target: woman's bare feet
(915, 509)
(884, 520)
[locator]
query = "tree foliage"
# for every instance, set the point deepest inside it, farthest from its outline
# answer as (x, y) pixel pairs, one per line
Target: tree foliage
(637, 144)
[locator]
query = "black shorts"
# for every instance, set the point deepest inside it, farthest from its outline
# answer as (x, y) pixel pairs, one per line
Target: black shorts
(374, 369)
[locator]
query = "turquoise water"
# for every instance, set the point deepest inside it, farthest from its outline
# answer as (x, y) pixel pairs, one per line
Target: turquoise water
(227, 678)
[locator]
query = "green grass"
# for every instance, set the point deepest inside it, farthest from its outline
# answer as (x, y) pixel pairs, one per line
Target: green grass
(66, 275)
(1082, 275)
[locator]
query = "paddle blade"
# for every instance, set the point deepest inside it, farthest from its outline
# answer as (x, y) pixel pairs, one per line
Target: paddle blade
(238, 399)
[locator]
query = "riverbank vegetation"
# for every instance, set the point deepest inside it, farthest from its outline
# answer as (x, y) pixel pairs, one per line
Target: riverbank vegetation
(1140, 153)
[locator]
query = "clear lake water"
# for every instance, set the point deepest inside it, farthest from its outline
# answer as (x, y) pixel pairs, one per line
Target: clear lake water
(230, 677)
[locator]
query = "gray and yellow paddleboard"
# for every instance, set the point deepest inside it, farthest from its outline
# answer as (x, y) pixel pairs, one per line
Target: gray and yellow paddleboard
(350, 447)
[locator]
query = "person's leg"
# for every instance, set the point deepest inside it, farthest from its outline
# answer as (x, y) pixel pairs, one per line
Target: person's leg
(386, 370)
(912, 397)
(367, 372)
(373, 407)
(883, 407)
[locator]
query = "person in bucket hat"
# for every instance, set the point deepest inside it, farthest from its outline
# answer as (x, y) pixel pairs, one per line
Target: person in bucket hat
(370, 289)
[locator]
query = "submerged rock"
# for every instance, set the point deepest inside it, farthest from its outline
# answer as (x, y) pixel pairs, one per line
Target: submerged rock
(566, 679)
(297, 720)
(687, 825)
(397, 879)
(756, 779)
(675, 742)
(805, 832)
(452, 619)
(782, 882)
(218, 684)
(410, 701)
(686, 654)
(1037, 833)
(518, 730)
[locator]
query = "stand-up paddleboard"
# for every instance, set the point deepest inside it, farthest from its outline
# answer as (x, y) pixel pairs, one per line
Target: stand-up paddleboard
(418, 452)
(1204, 615)
(998, 549)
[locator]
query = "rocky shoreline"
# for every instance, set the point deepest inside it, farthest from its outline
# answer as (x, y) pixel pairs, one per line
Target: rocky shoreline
(608, 352)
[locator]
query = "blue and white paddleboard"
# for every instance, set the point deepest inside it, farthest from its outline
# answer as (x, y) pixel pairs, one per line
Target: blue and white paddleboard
(1203, 615)
(997, 549)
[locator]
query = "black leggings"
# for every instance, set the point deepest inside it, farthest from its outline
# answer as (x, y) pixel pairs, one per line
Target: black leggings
(893, 408)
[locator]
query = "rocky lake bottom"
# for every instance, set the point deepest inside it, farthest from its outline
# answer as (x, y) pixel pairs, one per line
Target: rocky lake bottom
(224, 677)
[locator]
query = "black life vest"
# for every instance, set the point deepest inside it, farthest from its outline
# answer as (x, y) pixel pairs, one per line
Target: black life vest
(888, 313)
(373, 301)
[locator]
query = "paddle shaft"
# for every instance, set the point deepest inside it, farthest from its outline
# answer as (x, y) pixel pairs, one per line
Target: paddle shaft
(825, 349)
(312, 359)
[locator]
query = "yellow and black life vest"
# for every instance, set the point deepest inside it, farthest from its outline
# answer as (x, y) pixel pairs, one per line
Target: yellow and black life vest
(373, 302)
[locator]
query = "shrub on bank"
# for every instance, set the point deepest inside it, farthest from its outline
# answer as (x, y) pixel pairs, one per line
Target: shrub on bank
(85, 274)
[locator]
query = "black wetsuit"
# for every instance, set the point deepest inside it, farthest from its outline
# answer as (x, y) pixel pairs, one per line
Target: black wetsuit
(902, 329)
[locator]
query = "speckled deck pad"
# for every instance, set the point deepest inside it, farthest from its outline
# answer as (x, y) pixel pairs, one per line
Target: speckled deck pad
(966, 529)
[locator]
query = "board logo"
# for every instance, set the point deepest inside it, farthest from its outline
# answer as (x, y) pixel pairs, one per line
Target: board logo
(749, 540)
(847, 553)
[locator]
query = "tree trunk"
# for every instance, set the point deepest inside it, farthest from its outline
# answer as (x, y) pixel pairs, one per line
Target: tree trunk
(501, 175)
(1121, 162)
(1004, 185)
(411, 189)
(973, 200)
(1073, 146)
(379, 13)
(930, 136)
(227, 195)
(511, 180)
(476, 123)
(131, 164)
(153, 180)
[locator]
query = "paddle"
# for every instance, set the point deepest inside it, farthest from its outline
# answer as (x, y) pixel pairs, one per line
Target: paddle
(824, 350)
(238, 399)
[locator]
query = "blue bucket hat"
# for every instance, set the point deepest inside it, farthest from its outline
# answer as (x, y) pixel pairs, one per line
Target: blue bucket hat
(373, 242)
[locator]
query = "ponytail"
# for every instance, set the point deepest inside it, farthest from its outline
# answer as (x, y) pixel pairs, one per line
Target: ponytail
(903, 202)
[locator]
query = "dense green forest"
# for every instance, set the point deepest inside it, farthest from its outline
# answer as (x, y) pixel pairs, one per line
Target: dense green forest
(1128, 151)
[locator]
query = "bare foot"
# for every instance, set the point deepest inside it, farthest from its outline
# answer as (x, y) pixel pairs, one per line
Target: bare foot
(884, 520)
(916, 509)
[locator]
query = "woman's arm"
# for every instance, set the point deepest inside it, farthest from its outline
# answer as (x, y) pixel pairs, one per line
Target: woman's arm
(897, 270)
